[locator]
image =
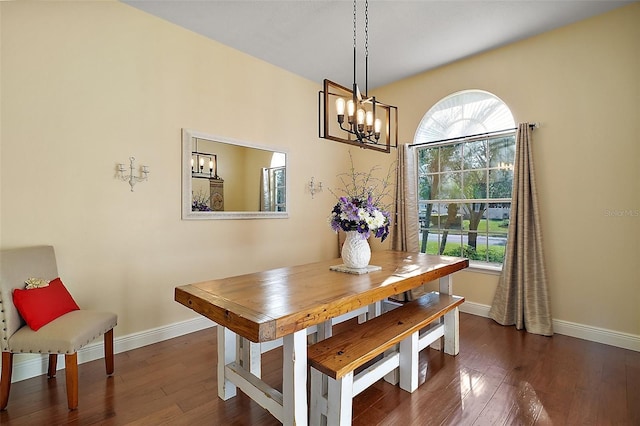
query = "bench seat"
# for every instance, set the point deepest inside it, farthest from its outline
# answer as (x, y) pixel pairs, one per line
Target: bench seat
(340, 355)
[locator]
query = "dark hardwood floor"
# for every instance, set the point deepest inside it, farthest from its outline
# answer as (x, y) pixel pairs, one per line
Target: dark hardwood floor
(501, 377)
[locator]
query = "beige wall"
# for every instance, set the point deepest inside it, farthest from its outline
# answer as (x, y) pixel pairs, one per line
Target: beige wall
(582, 83)
(255, 160)
(85, 86)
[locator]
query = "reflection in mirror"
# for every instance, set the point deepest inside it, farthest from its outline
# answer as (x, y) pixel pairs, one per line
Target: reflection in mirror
(228, 179)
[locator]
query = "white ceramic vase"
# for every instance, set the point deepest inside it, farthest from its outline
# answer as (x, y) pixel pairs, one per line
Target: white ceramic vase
(356, 252)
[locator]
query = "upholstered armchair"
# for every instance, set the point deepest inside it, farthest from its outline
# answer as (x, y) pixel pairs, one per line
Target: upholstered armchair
(66, 334)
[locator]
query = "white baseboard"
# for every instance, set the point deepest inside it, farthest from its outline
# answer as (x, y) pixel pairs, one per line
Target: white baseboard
(475, 309)
(26, 366)
(566, 328)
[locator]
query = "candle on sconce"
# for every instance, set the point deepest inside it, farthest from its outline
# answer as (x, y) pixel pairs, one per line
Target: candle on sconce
(201, 164)
(210, 165)
(191, 164)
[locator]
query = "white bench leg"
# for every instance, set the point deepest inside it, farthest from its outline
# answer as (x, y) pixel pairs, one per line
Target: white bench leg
(409, 356)
(393, 377)
(452, 332)
(318, 395)
(340, 400)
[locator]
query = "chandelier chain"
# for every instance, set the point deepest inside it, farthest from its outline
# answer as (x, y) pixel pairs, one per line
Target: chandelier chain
(354, 24)
(366, 29)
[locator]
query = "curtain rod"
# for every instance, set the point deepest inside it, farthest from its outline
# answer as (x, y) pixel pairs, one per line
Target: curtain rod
(476, 136)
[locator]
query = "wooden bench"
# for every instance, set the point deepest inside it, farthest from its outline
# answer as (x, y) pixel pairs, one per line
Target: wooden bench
(414, 326)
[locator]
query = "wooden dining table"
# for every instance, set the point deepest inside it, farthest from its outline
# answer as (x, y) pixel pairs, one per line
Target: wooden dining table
(254, 310)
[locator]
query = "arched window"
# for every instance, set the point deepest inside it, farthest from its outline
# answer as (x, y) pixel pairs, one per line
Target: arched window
(465, 146)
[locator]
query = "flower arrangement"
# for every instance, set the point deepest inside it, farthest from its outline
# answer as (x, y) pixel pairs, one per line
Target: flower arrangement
(200, 202)
(358, 209)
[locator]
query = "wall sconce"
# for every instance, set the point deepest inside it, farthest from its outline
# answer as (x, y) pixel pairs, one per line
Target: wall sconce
(313, 187)
(130, 177)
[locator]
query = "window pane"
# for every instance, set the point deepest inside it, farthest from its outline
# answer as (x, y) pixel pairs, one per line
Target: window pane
(450, 186)
(475, 184)
(279, 176)
(428, 187)
(450, 158)
(502, 151)
(500, 183)
(462, 114)
(444, 230)
(475, 155)
(428, 160)
(498, 215)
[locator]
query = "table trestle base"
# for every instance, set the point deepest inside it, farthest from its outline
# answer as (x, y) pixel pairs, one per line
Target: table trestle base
(267, 397)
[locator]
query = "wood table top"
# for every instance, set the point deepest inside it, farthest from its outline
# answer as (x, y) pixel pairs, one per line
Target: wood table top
(266, 305)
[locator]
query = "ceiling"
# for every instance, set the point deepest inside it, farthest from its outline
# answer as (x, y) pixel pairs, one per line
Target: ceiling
(314, 39)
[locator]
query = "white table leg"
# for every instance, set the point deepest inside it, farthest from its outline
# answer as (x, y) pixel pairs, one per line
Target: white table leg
(446, 284)
(226, 355)
(446, 287)
(375, 310)
(324, 330)
(249, 356)
(294, 378)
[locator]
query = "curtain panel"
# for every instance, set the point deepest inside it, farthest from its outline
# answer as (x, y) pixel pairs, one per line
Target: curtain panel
(405, 227)
(522, 297)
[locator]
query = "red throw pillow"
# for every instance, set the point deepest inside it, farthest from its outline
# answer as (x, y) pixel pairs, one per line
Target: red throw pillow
(40, 306)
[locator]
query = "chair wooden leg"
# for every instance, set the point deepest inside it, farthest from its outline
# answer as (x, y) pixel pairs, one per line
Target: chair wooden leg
(108, 351)
(71, 371)
(53, 366)
(5, 378)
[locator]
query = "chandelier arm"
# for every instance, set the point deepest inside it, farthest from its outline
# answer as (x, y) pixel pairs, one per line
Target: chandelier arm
(364, 137)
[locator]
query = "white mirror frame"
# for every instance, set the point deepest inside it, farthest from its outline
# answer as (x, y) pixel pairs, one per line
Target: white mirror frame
(187, 147)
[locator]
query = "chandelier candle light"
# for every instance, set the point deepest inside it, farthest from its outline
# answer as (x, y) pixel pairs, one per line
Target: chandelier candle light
(369, 123)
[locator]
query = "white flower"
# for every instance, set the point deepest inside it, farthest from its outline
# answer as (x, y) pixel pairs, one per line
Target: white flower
(375, 221)
(379, 219)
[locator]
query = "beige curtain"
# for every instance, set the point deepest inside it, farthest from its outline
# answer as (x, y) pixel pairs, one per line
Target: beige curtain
(522, 295)
(405, 226)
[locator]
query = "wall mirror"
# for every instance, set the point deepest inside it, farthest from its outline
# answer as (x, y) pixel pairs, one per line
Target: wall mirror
(224, 178)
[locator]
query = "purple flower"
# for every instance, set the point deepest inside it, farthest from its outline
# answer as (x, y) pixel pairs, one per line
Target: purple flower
(363, 216)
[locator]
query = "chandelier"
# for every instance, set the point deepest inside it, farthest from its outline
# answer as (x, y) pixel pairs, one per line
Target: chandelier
(348, 116)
